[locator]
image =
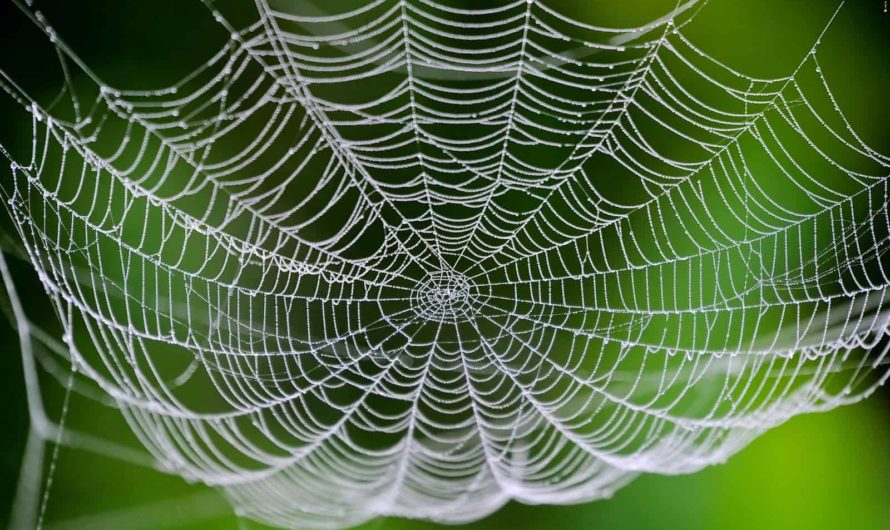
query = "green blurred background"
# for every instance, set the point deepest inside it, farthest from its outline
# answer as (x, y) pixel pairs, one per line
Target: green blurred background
(826, 471)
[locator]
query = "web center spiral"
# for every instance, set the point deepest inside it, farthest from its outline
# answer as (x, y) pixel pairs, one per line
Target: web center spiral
(445, 296)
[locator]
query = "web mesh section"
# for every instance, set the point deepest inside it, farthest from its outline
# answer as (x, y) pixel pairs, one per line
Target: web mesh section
(419, 260)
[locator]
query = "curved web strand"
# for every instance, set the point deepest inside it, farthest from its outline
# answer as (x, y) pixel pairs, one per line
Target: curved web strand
(527, 258)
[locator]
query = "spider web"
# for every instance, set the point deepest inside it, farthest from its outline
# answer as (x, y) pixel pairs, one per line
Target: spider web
(419, 260)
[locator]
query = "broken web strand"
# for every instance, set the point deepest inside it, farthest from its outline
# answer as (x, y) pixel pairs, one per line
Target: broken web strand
(24, 514)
